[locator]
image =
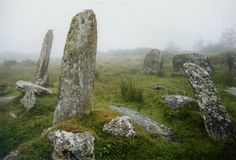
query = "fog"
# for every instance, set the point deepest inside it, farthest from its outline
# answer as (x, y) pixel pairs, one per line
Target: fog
(121, 23)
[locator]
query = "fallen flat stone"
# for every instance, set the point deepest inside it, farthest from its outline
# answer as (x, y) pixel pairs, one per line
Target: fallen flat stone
(120, 126)
(22, 85)
(4, 100)
(149, 124)
(215, 116)
(231, 90)
(11, 156)
(72, 146)
(177, 101)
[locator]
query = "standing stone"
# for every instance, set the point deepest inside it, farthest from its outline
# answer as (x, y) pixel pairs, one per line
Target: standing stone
(195, 58)
(153, 62)
(29, 99)
(78, 68)
(232, 66)
(42, 67)
(215, 115)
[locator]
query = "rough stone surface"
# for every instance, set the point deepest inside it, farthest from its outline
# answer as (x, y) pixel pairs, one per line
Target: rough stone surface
(232, 65)
(177, 101)
(23, 85)
(4, 100)
(41, 75)
(153, 62)
(120, 126)
(72, 146)
(215, 115)
(149, 124)
(195, 58)
(11, 156)
(78, 68)
(29, 99)
(231, 90)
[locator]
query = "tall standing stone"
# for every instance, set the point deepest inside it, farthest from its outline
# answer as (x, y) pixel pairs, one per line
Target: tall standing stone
(42, 67)
(215, 115)
(153, 62)
(199, 59)
(232, 66)
(78, 68)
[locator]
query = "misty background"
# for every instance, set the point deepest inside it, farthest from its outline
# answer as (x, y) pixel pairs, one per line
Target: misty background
(171, 25)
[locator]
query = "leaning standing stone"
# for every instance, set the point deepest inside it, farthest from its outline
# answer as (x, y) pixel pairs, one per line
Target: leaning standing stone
(215, 115)
(42, 67)
(29, 99)
(78, 67)
(153, 62)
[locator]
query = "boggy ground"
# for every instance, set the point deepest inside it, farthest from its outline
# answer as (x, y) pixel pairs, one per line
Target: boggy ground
(24, 132)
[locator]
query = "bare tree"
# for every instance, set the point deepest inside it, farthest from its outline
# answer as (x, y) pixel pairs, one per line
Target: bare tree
(228, 38)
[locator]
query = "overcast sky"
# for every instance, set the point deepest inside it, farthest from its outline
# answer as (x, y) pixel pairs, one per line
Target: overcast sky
(121, 23)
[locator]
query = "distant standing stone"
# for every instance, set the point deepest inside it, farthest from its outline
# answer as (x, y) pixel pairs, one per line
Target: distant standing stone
(29, 99)
(232, 66)
(215, 115)
(153, 62)
(195, 58)
(78, 68)
(120, 126)
(42, 67)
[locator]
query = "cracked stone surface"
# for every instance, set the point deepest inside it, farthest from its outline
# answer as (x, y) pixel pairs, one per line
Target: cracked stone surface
(41, 75)
(72, 146)
(120, 126)
(215, 115)
(77, 68)
(153, 62)
(195, 58)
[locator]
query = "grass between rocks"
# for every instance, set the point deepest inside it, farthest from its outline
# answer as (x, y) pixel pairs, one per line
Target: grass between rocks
(24, 132)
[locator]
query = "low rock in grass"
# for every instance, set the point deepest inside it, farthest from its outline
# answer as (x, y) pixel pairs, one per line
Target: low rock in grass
(72, 146)
(231, 90)
(120, 126)
(29, 99)
(23, 85)
(158, 87)
(177, 101)
(11, 156)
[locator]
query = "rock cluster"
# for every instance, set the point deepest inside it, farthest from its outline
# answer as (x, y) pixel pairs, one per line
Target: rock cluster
(177, 101)
(23, 85)
(120, 126)
(29, 99)
(215, 115)
(232, 66)
(149, 124)
(77, 68)
(72, 146)
(41, 75)
(153, 62)
(195, 58)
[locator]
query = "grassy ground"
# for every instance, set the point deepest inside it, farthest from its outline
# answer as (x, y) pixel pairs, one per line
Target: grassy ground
(24, 131)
